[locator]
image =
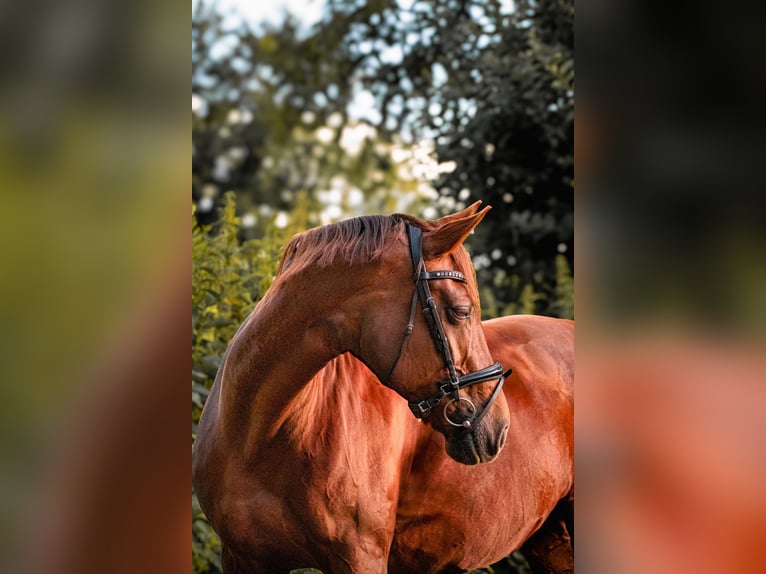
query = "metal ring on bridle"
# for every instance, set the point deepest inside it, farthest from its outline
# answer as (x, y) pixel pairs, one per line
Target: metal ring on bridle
(466, 423)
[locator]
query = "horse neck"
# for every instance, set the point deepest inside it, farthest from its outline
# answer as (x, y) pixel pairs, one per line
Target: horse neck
(271, 358)
(352, 428)
(333, 406)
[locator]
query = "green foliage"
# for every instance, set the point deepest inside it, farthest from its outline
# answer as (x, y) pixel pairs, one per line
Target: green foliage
(229, 276)
(556, 299)
(206, 546)
(270, 121)
(564, 303)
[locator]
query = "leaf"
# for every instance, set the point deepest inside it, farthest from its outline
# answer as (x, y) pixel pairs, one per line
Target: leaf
(208, 335)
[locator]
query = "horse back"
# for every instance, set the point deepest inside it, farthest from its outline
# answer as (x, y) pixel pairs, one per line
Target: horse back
(544, 344)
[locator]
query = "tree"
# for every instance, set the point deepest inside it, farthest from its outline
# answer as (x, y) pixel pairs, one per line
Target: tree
(492, 84)
(495, 88)
(271, 121)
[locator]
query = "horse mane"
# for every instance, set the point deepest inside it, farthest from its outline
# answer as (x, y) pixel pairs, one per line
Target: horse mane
(354, 241)
(357, 240)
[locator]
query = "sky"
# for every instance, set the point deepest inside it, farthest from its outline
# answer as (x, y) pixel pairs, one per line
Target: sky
(309, 11)
(272, 11)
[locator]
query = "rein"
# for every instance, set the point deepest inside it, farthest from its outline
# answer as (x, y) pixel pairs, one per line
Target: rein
(455, 382)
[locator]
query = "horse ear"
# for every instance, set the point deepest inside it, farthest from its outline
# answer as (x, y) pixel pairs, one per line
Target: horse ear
(449, 232)
(463, 213)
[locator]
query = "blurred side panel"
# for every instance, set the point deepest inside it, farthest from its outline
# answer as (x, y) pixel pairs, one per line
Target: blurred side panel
(94, 179)
(671, 394)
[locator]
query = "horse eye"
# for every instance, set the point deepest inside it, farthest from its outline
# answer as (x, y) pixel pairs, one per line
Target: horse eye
(460, 313)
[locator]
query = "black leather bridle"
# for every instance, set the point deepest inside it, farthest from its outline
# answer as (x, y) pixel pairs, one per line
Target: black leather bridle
(455, 382)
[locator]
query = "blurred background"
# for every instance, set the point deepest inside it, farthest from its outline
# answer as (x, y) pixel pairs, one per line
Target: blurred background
(316, 111)
(94, 286)
(671, 288)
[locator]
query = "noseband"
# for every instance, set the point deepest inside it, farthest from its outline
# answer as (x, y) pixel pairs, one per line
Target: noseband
(455, 382)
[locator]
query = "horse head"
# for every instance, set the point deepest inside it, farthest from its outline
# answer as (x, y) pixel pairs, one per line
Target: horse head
(400, 294)
(424, 339)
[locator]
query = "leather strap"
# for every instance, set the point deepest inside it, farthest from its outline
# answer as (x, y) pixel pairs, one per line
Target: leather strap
(429, 275)
(455, 382)
(494, 371)
(430, 309)
(414, 236)
(407, 332)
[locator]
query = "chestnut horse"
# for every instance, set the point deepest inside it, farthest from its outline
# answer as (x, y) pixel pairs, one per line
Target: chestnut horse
(303, 459)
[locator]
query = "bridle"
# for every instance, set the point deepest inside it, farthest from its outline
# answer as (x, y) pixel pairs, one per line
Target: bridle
(455, 382)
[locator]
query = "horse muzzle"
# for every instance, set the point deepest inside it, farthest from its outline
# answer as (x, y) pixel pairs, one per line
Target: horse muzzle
(477, 445)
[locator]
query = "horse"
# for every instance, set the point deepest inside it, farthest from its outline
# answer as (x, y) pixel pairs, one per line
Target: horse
(304, 459)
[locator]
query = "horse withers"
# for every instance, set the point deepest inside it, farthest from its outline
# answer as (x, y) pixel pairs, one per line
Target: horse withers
(304, 459)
